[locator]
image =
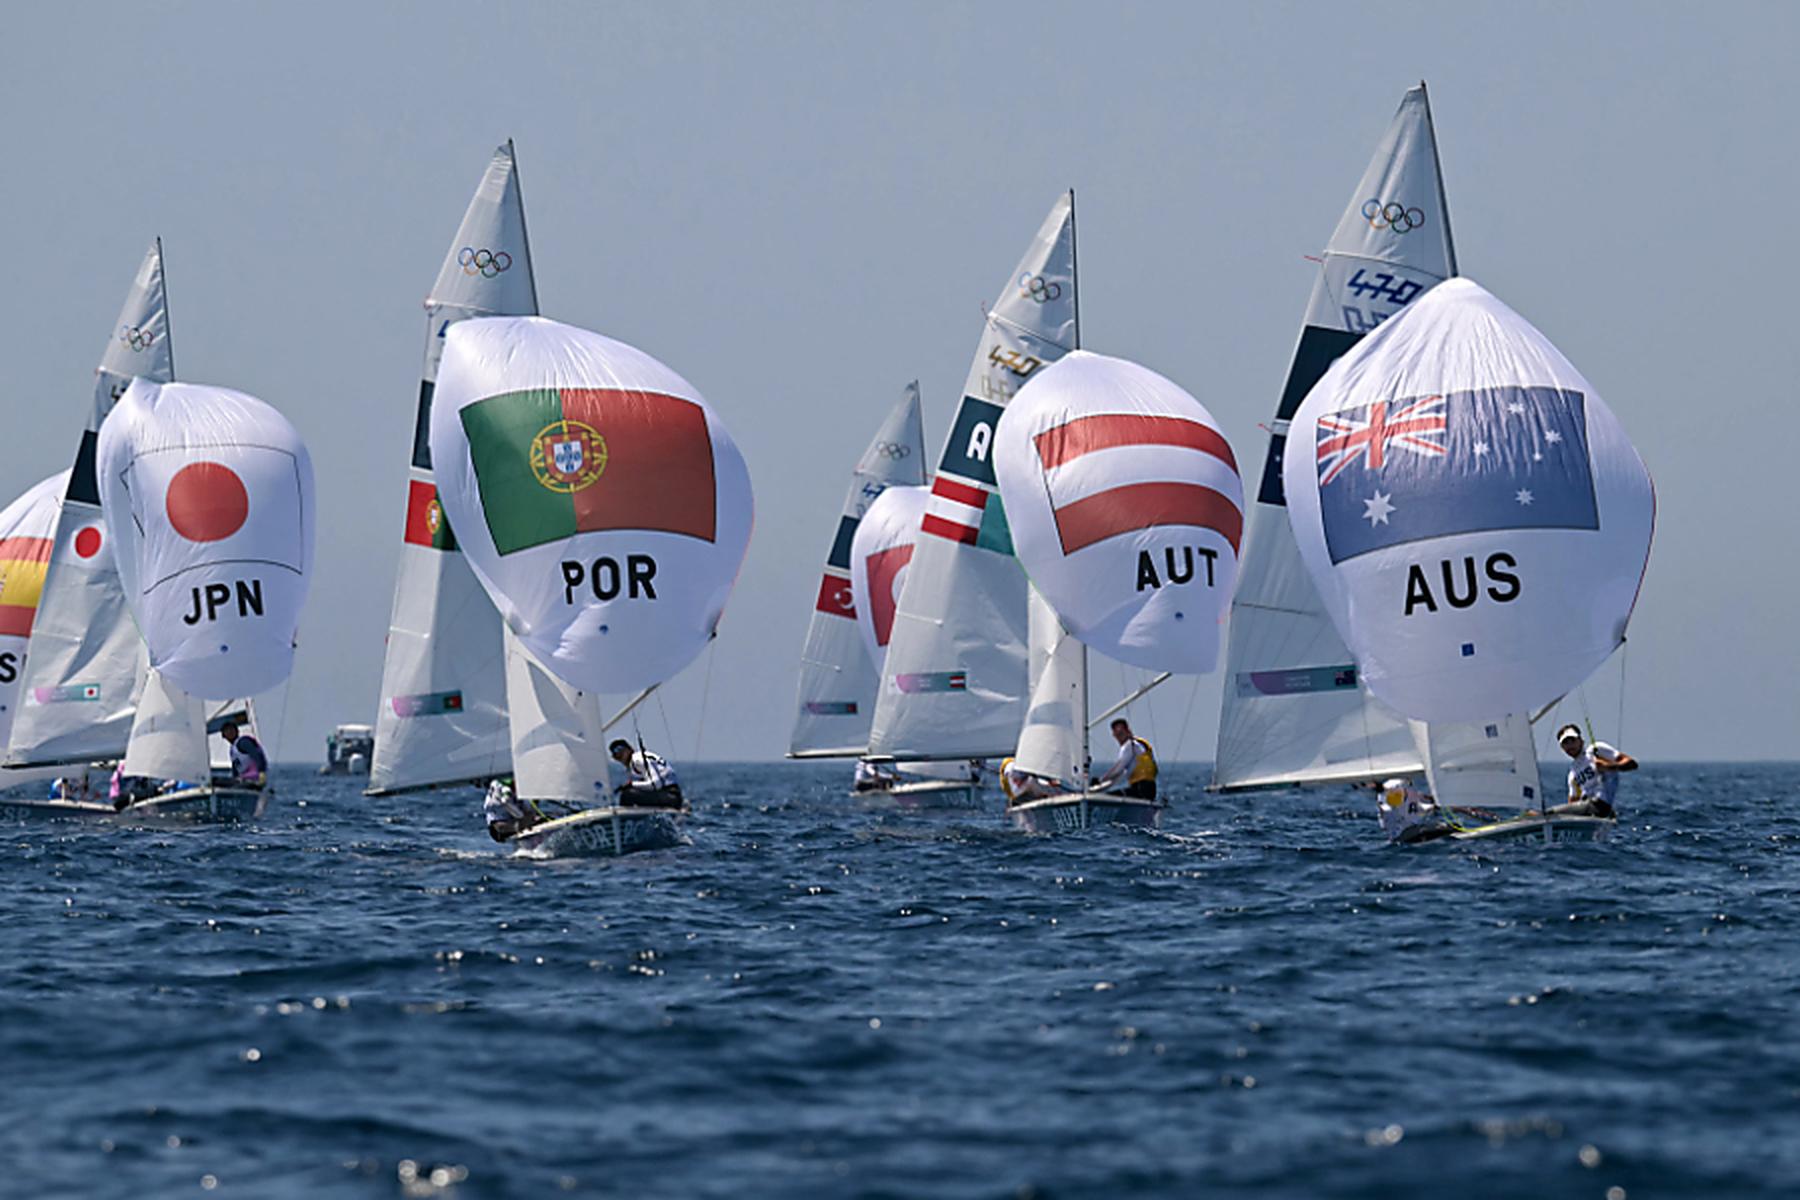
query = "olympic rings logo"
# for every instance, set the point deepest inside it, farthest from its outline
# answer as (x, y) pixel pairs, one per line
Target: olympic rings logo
(485, 263)
(137, 339)
(1396, 217)
(894, 450)
(1038, 289)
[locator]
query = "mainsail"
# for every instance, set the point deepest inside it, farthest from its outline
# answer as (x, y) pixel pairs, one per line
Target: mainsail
(1053, 741)
(1294, 708)
(837, 679)
(207, 495)
(880, 559)
(955, 681)
(86, 662)
(1472, 513)
(443, 716)
(168, 734)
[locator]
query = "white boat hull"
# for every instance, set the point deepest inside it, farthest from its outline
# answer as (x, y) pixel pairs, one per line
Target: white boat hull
(1074, 811)
(54, 810)
(602, 833)
(202, 805)
(925, 793)
(1548, 830)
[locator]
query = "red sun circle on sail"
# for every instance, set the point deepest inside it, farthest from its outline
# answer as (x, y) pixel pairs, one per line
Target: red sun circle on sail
(87, 542)
(207, 502)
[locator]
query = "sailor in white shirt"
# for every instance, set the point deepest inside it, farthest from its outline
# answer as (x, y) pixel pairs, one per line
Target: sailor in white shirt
(1594, 774)
(506, 814)
(650, 779)
(874, 776)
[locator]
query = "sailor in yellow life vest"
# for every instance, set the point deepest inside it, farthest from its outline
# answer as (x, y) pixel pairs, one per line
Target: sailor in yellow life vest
(1021, 785)
(1135, 766)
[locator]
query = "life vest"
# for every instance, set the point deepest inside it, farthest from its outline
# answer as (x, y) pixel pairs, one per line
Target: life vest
(1143, 770)
(1006, 778)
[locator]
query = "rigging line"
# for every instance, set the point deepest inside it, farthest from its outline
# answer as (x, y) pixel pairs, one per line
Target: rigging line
(1619, 726)
(1186, 718)
(705, 691)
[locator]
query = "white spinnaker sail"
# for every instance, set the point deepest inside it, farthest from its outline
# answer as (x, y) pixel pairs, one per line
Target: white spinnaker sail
(1483, 765)
(1053, 741)
(558, 740)
(27, 533)
(1294, 710)
(168, 734)
(1475, 518)
(837, 680)
(954, 684)
(443, 713)
(85, 662)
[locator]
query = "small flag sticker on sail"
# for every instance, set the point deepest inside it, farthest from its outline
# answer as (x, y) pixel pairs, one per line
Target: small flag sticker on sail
(932, 681)
(426, 524)
(554, 462)
(835, 597)
(429, 704)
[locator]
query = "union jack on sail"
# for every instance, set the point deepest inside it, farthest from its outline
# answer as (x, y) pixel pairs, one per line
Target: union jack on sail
(1343, 438)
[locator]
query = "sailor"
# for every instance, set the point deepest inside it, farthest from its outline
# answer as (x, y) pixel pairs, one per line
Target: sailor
(1593, 776)
(1407, 814)
(506, 814)
(650, 779)
(874, 776)
(1021, 785)
(1135, 766)
(249, 764)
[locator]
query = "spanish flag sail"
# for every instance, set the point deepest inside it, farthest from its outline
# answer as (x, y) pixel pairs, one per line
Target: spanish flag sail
(595, 493)
(27, 532)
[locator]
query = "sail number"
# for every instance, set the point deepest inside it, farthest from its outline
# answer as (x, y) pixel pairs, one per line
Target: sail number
(1383, 286)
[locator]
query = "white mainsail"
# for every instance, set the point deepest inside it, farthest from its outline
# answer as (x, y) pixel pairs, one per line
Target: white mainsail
(954, 684)
(1483, 765)
(558, 739)
(1294, 708)
(168, 734)
(443, 716)
(837, 679)
(1053, 743)
(27, 534)
(85, 661)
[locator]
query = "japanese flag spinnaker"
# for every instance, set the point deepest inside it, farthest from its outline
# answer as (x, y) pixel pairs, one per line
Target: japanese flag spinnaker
(1126, 509)
(598, 498)
(1474, 517)
(208, 501)
(879, 555)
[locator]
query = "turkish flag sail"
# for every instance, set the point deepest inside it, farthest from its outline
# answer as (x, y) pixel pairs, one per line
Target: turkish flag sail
(1472, 513)
(208, 501)
(595, 493)
(879, 555)
(1126, 508)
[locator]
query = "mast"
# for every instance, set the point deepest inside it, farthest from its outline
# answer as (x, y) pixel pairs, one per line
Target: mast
(1437, 169)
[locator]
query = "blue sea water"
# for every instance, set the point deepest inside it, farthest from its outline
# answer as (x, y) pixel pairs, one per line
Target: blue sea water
(364, 998)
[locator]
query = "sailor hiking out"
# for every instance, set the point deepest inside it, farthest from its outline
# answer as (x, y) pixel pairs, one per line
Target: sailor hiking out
(1593, 775)
(1021, 785)
(650, 781)
(1408, 815)
(506, 814)
(1135, 766)
(874, 776)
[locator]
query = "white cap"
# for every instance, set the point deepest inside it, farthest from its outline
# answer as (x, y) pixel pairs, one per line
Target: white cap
(1567, 732)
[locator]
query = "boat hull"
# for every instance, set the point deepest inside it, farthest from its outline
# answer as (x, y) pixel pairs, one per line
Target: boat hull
(602, 833)
(1551, 830)
(202, 805)
(1073, 811)
(929, 793)
(54, 810)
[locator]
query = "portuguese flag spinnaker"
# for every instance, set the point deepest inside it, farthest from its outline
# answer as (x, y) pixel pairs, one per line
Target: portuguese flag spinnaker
(554, 462)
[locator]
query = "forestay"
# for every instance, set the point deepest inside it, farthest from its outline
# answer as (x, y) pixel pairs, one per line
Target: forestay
(208, 500)
(596, 495)
(880, 556)
(1475, 518)
(85, 661)
(1125, 507)
(837, 677)
(443, 715)
(27, 532)
(954, 684)
(1293, 709)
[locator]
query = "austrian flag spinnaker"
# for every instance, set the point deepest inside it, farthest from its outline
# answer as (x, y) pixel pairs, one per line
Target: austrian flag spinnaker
(597, 497)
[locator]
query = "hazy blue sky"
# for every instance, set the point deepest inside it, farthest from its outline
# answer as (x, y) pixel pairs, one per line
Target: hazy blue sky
(802, 207)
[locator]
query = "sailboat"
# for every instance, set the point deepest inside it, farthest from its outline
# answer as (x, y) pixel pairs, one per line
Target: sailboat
(1474, 518)
(954, 684)
(1126, 511)
(86, 669)
(1296, 710)
(605, 510)
(839, 668)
